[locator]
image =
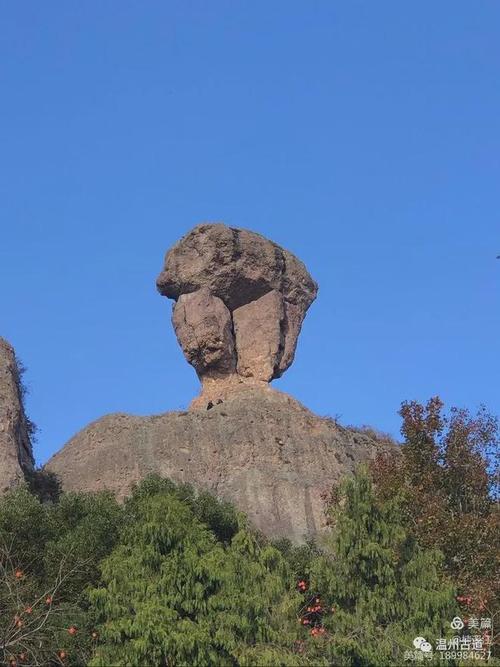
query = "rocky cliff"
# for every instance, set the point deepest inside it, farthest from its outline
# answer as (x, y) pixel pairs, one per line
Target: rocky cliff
(239, 304)
(16, 456)
(259, 448)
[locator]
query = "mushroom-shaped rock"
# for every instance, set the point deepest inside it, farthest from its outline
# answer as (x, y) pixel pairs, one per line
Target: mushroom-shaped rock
(246, 294)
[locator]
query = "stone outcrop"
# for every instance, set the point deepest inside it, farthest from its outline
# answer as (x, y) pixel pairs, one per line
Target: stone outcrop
(16, 456)
(240, 303)
(259, 448)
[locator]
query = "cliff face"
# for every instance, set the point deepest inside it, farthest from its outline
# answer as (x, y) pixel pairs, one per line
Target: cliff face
(259, 448)
(16, 455)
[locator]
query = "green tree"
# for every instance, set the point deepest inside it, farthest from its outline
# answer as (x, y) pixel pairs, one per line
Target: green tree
(86, 528)
(44, 484)
(383, 588)
(26, 525)
(219, 516)
(173, 594)
(49, 555)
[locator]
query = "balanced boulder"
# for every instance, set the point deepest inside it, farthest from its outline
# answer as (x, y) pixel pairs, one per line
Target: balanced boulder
(240, 303)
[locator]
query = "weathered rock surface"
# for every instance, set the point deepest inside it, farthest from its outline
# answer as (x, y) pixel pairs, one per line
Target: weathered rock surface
(266, 291)
(260, 449)
(204, 331)
(259, 335)
(15, 447)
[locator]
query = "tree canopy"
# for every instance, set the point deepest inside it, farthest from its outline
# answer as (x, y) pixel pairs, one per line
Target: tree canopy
(177, 577)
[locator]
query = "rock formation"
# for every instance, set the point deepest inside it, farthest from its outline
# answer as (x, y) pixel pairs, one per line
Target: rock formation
(240, 303)
(16, 455)
(259, 448)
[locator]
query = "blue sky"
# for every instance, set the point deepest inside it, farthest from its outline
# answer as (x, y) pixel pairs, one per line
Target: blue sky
(363, 136)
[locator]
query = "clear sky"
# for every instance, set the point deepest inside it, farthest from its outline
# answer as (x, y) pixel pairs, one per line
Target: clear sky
(363, 136)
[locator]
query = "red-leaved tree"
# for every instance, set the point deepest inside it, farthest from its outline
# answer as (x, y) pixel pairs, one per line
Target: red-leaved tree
(446, 474)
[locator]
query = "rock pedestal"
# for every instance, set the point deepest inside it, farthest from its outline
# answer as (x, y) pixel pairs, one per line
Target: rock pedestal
(258, 448)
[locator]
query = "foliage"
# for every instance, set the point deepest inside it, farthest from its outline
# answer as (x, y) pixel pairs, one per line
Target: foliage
(172, 593)
(446, 479)
(23, 391)
(176, 577)
(37, 620)
(382, 589)
(219, 516)
(44, 484)
(298, 556)
(49, 556)
(374, 434)
(25, 527)
(87, 529)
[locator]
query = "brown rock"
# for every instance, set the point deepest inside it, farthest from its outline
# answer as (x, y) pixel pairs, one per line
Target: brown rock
(258, 329)
(203, 327)
(259, 448)
(257, 280)
(15, 447)
(292, 324)
(236, 265)
(240, 303)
